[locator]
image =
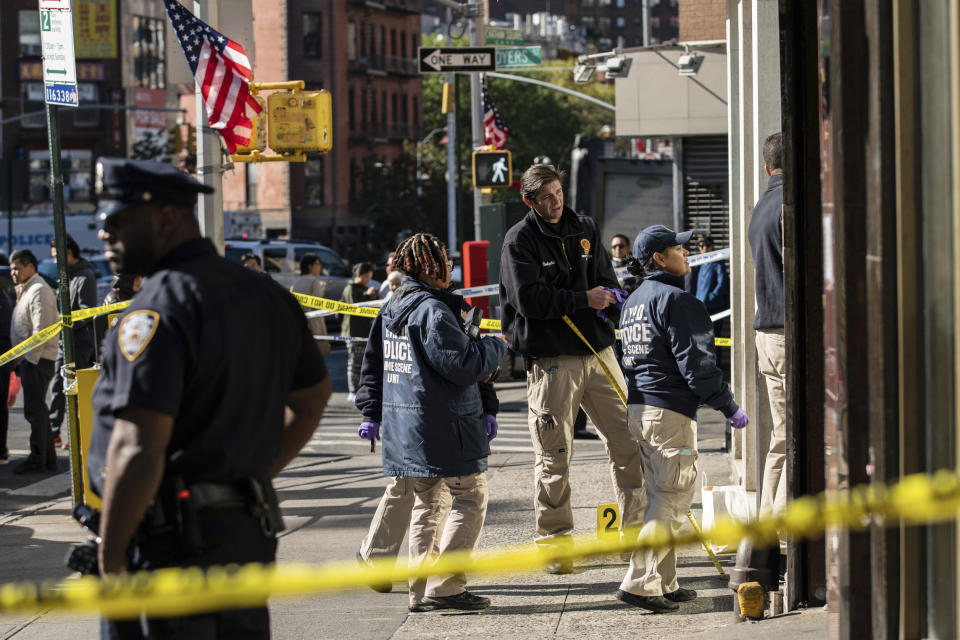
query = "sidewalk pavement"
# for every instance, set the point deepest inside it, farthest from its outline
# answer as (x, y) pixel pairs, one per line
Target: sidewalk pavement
(329, 494)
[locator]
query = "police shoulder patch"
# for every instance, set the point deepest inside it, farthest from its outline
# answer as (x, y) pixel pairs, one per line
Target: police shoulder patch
(586, 246)
(135, 332)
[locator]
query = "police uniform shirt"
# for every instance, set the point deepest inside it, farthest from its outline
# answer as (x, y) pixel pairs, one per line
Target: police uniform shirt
(216, 346)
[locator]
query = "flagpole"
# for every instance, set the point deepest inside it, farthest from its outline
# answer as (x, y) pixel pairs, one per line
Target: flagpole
(209, 169)
(478, 26)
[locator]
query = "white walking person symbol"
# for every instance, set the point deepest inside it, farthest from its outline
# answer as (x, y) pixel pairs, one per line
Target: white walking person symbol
(499, 170)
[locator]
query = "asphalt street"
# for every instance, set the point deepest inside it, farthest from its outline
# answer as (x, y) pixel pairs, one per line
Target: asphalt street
(328, 496)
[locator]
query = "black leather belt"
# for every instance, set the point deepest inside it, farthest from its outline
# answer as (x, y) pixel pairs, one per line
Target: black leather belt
(217, 495)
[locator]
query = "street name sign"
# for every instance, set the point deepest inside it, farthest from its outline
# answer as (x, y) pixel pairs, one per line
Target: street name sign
(444, 59)
(519, 57)
(59, 61)
(496, 35)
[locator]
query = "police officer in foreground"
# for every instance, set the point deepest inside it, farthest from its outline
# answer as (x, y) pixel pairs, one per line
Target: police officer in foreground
(192, 418)
(671, 370)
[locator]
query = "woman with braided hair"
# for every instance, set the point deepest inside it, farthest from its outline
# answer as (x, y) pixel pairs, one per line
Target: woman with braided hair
(419, 378)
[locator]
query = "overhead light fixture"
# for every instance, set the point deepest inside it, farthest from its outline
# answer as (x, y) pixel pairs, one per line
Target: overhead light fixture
(617, 66)
(689, 63)
(582, 73)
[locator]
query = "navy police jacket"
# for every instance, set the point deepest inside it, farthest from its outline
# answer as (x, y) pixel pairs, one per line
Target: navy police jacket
(668, 352)
(419, 380)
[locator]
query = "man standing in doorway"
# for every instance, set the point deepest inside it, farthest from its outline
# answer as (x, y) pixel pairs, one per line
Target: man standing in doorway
(554, 268)
(766, 244)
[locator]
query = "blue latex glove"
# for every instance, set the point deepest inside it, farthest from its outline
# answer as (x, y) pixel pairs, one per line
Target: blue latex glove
(492, 427)
(740, 419)
(369, 430)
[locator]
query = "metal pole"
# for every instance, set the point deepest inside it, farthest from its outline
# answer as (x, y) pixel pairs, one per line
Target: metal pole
(452, 161)
(63, 294)
(645, 13)
(9, 205)
(209, 171)
(476, 126)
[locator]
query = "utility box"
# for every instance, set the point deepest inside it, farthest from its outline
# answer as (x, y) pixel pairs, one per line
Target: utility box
(300, 121)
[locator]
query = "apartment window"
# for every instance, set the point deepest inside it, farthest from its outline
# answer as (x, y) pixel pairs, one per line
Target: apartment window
(604, 24)
(313, 181)
(250, 184)
(373, 106)
(363, 40)
(86, 118)
(363, 108)
(312, 22)
(149, 51)
(383, 107)
(393, 42)
(350, 108)
(393, 108)
(76, 167)
(30, 33)
(416, 110)
(31, 99)
(404, 116)
(351, 41)
(588, 3)
(621, 4)
(621, 22)
(403, 44)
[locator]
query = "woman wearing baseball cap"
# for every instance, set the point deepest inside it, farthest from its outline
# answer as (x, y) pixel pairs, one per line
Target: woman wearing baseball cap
(671, 371)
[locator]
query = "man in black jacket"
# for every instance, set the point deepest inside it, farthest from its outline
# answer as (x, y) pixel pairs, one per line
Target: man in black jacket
(554, 266)
(766, 242)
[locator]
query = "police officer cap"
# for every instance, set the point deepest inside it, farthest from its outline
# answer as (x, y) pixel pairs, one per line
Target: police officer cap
(655, 239)
(120, 183)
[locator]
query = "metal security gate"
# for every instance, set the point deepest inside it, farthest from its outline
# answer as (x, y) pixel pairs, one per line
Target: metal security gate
(706, 205)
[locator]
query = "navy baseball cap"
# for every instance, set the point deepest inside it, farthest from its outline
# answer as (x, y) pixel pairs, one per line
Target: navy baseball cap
(120, 183)
(657, 238)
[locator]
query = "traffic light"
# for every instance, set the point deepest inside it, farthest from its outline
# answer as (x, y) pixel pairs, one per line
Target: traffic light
(300, 121)
(448, 101)
(258, 137)
(492, 169)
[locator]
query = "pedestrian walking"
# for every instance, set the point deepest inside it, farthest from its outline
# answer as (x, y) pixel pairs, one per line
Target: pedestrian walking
(420, 374)
(189, 429)
(671, 371)
(36, 309)
(554, 266)
(357, 290)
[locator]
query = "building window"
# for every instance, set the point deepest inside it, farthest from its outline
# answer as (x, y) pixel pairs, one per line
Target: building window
(350, 108)
(393, 108)
(621, 22)
(351, 41)
(30, 33)
(149, 51)
(403, 44)
(393, 42)
(363, 40)
(383, 107)
(250, 184)
(77, 169)
(363, 108)
(31, 99)
(313, 181)
(312, 35)
(621, 4)
(416, 111)
(404, 114)
(88, 118)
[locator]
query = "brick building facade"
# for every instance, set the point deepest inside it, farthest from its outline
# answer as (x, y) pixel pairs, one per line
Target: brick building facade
(702, 20)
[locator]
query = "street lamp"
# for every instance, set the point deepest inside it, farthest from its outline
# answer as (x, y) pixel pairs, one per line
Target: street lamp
(419, 144)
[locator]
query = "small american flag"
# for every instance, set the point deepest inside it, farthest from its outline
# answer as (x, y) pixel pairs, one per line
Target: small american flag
(494, 130)
(221, 70)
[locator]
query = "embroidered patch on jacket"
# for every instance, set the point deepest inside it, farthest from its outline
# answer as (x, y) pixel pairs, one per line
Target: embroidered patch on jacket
(586, 246)
(135, 332)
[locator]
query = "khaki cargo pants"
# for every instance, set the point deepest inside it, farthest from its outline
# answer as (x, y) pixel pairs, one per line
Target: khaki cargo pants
(392, 518)
(669, 446)
(772, 360)
(464, 498)
(556, 386)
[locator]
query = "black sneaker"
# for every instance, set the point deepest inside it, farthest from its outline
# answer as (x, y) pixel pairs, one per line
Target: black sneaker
(681, 595)
(379, 587)
(465, 601)
(657, 604)
(29, 466)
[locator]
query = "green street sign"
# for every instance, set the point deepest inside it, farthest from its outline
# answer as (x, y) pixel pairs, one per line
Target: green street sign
(496, 35)
(519, 57)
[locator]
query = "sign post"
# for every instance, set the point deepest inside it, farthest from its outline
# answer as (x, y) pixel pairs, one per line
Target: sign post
(445, 59)
(60, 88)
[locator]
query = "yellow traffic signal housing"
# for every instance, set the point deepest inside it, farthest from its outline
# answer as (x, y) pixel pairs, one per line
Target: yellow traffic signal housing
(448, 102)
(492, 169)
(300, 121)
(258, 139)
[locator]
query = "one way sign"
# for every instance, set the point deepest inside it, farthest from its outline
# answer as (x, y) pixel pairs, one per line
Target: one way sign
(440, 60)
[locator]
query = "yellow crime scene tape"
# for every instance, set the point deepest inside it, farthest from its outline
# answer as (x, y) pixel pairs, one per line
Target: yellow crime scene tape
(337, 307)
(37, 339)
(916, 499)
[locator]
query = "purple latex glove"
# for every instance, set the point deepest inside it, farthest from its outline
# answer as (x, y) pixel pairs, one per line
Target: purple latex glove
(492, 427)
(740, 419)
(621, 295)
(369, 430)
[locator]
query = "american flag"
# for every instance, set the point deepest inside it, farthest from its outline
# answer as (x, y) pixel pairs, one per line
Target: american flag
(494, 130)
(221, 70)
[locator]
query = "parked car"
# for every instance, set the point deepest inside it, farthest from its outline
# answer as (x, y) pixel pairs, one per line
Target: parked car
(281, 260)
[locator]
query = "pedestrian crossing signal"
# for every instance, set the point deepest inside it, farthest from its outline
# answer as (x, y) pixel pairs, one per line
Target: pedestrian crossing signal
(492, 169)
